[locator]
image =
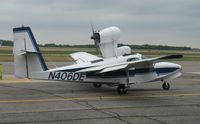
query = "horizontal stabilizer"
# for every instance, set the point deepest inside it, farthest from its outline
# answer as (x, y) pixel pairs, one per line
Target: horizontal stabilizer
(24, 52)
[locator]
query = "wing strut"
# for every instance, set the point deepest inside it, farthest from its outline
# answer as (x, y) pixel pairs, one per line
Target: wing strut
(127, 78)
(123, 87)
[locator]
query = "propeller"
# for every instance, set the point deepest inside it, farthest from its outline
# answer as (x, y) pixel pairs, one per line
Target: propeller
(96, 37)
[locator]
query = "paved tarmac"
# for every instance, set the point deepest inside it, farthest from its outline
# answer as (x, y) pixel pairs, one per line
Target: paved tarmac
(27, 101)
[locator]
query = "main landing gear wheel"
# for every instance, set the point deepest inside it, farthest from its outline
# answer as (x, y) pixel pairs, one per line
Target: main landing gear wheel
(121, 89)
(96, 85)
(166, 86)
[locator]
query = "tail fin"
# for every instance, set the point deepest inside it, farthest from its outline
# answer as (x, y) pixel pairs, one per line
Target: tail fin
(27, 56)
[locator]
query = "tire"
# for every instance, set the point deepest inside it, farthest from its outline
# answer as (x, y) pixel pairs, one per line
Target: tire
(166, 86)
(97, 85)
(121, 89)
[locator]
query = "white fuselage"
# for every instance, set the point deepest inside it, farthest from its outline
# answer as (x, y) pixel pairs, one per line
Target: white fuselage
(159, 71)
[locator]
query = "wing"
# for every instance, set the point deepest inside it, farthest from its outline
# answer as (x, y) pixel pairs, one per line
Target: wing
(105, 68)
(83, 57)
(149, 61)
(126, 65)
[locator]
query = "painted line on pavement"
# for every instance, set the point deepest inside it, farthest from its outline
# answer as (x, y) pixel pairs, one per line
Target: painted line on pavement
(101, 98)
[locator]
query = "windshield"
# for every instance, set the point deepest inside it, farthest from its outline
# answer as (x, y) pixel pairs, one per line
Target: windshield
(143, 57)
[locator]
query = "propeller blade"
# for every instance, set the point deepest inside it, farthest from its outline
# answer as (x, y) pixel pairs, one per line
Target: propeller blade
(96, 37)
(92, 28)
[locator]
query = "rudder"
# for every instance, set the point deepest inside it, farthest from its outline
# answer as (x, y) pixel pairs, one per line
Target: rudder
(27, 56)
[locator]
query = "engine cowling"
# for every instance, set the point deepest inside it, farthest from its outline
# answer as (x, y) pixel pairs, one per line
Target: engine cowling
(109, 35)
(108, 41)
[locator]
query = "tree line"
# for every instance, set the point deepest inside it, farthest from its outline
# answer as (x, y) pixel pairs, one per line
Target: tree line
(145, 46)
(6, 43)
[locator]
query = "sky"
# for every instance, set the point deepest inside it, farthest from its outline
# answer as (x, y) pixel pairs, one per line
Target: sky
(156, 22)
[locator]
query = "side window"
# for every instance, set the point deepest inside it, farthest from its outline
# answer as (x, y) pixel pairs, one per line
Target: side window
(144, 57)
(132, 59)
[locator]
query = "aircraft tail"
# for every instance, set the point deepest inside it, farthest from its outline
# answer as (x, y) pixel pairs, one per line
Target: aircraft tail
(27, 56)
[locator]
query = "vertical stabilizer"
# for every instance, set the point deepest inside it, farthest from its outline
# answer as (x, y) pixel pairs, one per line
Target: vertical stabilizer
(27, 56)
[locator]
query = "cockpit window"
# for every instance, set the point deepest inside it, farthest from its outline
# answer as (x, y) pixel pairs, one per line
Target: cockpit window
(132, 59)
(143, 57)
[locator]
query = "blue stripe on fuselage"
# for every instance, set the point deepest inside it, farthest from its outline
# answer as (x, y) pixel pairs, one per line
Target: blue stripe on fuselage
(165, 70)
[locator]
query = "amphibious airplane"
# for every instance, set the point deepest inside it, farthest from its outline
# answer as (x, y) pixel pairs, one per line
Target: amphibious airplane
(116, 67)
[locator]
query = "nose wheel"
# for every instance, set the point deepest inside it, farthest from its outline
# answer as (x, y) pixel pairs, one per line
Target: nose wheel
(97, 85)
(166, 86)
(121, 89)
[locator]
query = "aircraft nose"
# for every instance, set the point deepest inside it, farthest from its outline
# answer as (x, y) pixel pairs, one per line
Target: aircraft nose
(177, 66)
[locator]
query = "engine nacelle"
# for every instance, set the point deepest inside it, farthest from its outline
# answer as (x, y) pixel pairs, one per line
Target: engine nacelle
(109, 35)
(123, 50)
(108, 41)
